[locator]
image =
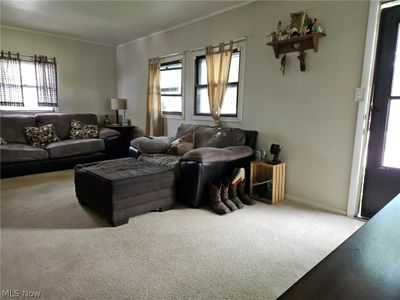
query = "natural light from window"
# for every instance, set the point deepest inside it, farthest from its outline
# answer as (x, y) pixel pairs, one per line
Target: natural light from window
(391, 156)
(171, 87)
(29, 90)
(229, 106)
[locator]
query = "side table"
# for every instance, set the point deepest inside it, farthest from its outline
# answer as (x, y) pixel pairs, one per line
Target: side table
(267, 181)
(127, 135)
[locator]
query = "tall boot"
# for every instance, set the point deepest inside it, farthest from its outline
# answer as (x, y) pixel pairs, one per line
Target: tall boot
(233, 195)
(215, 200)
(242, 196)
(225, 197)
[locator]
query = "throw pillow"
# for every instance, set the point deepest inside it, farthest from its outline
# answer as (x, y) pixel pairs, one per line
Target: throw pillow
(41, 136)
(80, 130)
(182, 145)
(3, 141)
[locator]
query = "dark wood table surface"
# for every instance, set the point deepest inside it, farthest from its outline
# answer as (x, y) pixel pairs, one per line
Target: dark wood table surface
(128, 133)
(365, 266)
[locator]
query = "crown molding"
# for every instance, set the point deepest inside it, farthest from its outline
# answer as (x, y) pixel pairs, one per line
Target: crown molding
(56, 35)
(188, 22)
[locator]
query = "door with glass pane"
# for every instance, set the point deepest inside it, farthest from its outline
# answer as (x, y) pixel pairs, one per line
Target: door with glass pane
(382, 174)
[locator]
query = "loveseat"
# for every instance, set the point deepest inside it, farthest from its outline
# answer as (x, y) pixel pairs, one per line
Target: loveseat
(18, 157)
(216, 152)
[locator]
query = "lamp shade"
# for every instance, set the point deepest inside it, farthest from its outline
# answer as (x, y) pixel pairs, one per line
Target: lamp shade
(118, 103)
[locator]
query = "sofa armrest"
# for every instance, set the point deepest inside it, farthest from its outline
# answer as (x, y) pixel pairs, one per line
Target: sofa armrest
(105, 133)
(156, 144)
(211, 154)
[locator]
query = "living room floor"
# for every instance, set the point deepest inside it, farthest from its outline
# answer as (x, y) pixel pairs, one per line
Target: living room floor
(51, 244)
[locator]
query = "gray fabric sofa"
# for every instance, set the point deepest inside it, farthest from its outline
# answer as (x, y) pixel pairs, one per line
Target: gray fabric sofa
(217, 151)
(18, 157)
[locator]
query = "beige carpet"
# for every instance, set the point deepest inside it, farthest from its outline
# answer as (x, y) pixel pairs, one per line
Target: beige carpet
(50, 244)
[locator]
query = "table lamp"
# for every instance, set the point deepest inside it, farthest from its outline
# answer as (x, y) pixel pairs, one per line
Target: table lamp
(117, 104)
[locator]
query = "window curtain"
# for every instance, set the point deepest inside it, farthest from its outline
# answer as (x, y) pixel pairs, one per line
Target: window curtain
(46, 80)
(154, 121)
(11, 92)
(218, 65)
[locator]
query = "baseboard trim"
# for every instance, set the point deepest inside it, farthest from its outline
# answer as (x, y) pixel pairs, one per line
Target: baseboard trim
(315, 204)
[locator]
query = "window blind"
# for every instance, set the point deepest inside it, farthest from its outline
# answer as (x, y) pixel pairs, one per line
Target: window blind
(11, 91)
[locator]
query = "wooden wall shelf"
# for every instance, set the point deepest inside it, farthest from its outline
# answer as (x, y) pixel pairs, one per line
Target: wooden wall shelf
(297, 44)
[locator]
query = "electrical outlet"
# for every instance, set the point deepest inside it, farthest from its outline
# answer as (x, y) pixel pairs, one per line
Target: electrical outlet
(359, 94)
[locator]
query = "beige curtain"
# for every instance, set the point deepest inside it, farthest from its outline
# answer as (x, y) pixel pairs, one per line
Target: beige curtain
(154, 121)
(218, 64)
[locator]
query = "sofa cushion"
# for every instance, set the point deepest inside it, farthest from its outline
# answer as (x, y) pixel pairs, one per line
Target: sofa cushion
(74, 147)
(219, 137)
(62, 121)
(182, 145)
(41, 136)
(80, 130)
(156, 144)
(15, 152)
(12, 127)
(105, 133)
(212, 154)
(165, 160)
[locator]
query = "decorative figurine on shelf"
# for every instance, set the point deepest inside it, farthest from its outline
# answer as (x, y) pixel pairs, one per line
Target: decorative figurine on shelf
(307, 28)
(279, 30)
(286, 33)
(275, 150)
(294, 32)
(273, 36)
(297, 21)
(314, 25)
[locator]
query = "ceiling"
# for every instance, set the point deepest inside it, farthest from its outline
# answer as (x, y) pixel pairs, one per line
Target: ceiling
(106, 22)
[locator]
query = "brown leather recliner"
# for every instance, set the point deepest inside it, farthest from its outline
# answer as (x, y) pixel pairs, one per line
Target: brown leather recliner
(217, 151)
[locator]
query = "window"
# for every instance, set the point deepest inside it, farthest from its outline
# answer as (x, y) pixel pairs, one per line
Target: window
(171, 87)
(230, 106)
(28, 83)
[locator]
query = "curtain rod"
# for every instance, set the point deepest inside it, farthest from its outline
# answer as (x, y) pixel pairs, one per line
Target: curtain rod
(226, 44)
(201, 48)
(26, 54)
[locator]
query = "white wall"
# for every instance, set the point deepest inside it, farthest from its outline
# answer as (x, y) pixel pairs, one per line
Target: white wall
(86, 72)
(312, 114)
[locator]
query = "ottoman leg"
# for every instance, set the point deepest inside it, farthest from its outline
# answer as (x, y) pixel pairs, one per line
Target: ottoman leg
(161, 209)
(119, 222)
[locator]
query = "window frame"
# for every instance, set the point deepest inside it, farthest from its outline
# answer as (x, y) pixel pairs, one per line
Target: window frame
(37, 108)
(192, 54)
(197, 85)
(171, 60)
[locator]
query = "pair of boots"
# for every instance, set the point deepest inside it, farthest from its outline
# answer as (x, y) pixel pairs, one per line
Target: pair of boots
(226, 197)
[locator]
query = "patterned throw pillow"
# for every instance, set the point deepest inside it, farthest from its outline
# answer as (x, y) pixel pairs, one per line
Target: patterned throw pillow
(182, 145)
(41, 136)
(80, 130)
(3, 141)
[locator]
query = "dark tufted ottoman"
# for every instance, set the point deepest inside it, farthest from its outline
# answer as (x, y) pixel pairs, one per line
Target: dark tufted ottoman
(122, 188)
